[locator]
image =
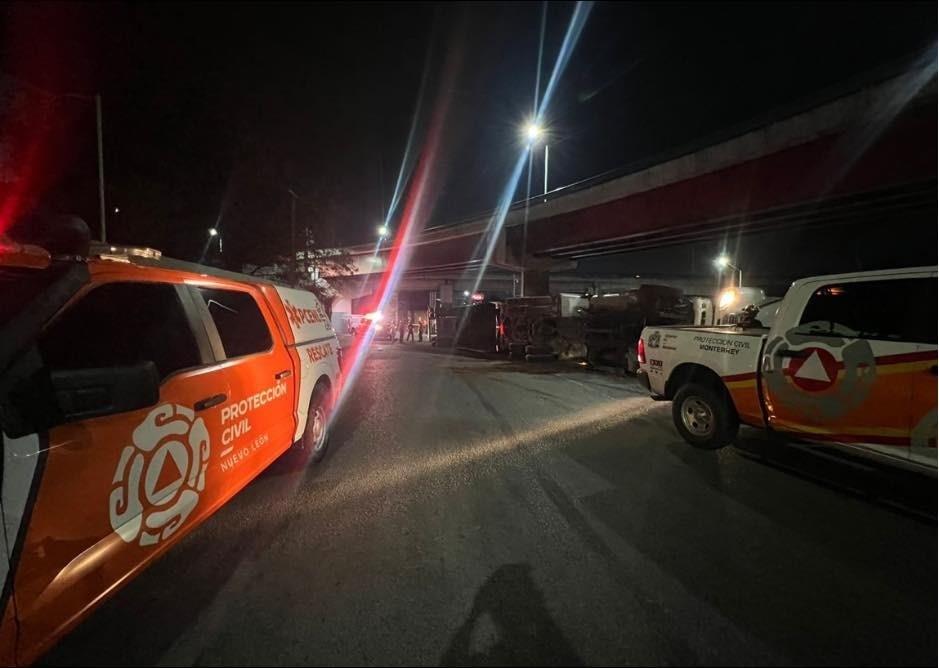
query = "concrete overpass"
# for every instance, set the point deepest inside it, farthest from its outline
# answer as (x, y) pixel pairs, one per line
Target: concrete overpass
(868, 154)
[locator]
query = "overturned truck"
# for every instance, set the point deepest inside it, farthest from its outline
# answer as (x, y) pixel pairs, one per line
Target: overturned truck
(542, 328)
(612, 323)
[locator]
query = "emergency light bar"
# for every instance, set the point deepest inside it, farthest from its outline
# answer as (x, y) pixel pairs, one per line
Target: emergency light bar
(123, 253)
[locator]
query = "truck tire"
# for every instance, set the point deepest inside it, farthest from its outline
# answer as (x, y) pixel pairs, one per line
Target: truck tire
(315, 439)
(539, 358)
(704, 416)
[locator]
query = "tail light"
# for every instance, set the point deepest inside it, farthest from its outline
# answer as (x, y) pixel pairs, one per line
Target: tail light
(641, 352)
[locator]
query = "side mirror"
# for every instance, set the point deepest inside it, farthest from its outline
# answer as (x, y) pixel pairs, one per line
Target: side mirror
(36, 404)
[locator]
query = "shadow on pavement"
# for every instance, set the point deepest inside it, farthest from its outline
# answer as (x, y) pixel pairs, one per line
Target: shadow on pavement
(815, 574)
(909, 492)
(509, 625)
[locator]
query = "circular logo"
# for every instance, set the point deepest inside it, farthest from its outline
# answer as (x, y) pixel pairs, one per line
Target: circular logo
(816, 371)
(811, 384)
(159, 478)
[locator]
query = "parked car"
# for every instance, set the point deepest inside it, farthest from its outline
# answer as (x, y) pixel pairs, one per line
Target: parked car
(849, 362)
(137, 395)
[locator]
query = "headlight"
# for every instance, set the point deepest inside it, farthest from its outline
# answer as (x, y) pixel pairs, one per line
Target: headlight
(727, 298)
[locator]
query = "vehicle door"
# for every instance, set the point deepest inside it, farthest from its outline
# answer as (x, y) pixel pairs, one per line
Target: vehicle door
(256, 422)
(104, 492)
(844, 374)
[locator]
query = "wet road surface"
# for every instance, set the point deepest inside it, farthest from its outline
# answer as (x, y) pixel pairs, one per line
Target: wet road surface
(481, 512)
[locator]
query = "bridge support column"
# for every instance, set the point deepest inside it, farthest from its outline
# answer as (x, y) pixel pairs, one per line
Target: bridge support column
(446, 293)
(536, 282)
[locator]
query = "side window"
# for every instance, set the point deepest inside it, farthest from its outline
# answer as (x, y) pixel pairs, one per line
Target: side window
(891, 310)
(239, 321)
(119, 324)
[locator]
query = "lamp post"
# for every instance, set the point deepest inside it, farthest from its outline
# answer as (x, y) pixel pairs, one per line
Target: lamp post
(213, 232)
(292, 269)
(722, 262)
(533, 133)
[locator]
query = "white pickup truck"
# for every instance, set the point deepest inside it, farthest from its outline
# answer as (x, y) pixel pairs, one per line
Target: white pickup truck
(849, 360)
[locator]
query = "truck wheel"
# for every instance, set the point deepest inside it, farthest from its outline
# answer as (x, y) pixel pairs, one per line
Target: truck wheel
(704, 417)
(315, 438)
(539, 358)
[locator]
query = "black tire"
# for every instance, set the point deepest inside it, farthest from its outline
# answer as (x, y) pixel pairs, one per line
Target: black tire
(704, 416)
(321, 400)
(539, 358)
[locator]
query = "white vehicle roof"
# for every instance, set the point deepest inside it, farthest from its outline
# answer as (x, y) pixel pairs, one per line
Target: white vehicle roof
(866, 274)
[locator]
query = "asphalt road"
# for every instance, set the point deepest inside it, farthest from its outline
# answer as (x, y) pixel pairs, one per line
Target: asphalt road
(480, 512)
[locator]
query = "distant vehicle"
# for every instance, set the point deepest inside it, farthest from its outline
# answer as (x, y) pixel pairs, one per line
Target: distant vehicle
(849, 361)
(527, 326)
(542, 328)
(384, 328)
(613, 322)
(137, 395)
(473, 326)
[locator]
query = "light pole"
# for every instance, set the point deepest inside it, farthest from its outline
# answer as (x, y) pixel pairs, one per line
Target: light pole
(722, 262)
(531, 133)
(213, 232)
(293, 235)
(98, 125)
(534, 132)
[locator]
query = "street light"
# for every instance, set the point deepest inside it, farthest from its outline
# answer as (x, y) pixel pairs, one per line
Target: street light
(534, 132)
(722, 262)
(383, 231)
(213, 232)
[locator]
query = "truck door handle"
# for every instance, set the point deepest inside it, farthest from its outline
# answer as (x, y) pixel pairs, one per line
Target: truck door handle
(280, 375)
(208, 402)
(791, 353)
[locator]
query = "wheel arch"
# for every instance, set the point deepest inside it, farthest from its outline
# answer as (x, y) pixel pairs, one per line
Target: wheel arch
(691, 372)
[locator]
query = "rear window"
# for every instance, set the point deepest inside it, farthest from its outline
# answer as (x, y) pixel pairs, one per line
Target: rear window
(239, 321)
(891, 310)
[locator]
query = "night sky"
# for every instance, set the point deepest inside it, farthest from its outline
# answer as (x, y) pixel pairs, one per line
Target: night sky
(212, 111)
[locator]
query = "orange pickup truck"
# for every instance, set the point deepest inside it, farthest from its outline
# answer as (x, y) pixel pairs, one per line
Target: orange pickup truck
(137, 395)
